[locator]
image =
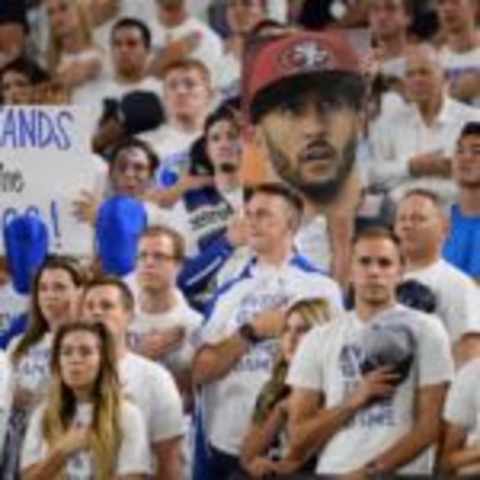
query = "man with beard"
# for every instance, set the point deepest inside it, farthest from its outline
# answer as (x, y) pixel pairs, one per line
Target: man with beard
(305, 97)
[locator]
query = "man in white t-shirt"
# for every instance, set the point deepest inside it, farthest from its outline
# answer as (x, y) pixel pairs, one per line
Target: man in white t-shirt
(149, 385)
(421, 226)
(198, 40)
(239, 343)
(368, 389)
(413, 146)
(388, 21)
(460, 452)
(187, 99)
(130, 48)
(461, 52)
(164, 324)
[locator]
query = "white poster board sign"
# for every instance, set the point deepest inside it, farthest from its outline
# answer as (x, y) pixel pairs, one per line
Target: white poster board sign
(45, 160)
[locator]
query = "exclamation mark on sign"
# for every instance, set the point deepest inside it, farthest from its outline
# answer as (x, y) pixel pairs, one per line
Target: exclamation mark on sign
(56, 224)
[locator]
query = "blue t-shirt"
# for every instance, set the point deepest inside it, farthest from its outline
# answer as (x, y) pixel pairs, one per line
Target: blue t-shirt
(462, 247)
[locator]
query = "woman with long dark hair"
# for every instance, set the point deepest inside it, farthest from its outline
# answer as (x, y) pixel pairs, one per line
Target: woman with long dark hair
(85, 429)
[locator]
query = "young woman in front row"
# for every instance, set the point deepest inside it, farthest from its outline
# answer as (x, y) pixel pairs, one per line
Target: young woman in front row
(85, 429)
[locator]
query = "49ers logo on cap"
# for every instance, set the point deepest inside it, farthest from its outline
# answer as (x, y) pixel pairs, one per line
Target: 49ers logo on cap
(305, 56)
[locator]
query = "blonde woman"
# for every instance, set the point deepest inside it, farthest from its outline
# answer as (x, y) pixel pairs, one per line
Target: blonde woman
(85, 430)
(73, 58)
(265, 442)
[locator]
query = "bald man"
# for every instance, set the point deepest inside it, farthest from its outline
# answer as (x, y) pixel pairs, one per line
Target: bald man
(414, 144)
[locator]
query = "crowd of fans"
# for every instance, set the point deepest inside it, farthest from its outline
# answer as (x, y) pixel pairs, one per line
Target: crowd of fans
(286, 215)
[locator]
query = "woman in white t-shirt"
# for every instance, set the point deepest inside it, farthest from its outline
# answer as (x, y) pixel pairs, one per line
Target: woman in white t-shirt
(265, 445)
(73, 57)
(85, 430)
(54, 296)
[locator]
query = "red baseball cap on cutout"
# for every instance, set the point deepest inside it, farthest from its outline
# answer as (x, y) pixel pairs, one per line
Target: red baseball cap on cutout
(300, 54)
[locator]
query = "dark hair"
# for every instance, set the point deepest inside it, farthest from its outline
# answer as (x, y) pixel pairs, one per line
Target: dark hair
(134, 142)
(407, 5)
(130, 22)
(470, 128)
(177, 239)
(27, 67)
(337, 84)
(200, 163)
(277, 190)
(126, 294)
(376, 232)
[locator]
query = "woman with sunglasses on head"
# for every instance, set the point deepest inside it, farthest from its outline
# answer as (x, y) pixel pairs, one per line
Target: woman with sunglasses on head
(54, 296)
(265, 446)
(85, 429)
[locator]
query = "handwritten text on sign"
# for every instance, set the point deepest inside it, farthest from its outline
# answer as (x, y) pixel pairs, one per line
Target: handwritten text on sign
(45, 161)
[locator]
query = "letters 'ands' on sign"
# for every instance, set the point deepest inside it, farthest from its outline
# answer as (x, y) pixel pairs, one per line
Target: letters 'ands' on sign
(45, 160)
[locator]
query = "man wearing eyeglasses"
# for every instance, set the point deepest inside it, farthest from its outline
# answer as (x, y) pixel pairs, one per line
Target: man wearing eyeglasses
(164, 323)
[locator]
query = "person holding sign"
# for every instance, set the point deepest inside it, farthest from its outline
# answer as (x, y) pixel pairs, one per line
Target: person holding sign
(85, 430)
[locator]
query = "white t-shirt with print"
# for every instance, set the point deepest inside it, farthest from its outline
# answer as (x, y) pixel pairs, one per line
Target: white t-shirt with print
(32, 371)
(458, 300)
(152, 388)
(11, 305)
(133, 457)
(229, 401)
(181, 315)
(6, 395)
(328, 361)
(462, 407)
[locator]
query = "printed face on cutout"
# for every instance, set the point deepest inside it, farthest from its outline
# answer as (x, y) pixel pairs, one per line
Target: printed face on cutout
(311, 139)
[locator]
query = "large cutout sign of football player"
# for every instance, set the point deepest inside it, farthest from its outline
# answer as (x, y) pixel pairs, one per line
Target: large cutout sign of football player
(305, 95)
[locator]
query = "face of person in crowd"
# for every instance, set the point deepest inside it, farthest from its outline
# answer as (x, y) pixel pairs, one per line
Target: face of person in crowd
(376, 271)
(103, 303)
(57, 296)
(420, 226)
(295, 328)
(130, 172)
(466, 162)
(16, 88)
(224, 144)
(12, 42)
(157, 265)
(423, 76)
(80, 360)
(270, 220)
(311, 139)
(387, 18)
(187, 93)
(129, 51)
(455, 15)
(63, 17)
(243, 15)
(4, 275)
